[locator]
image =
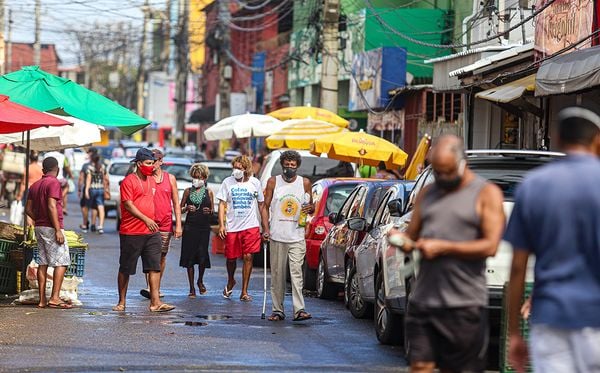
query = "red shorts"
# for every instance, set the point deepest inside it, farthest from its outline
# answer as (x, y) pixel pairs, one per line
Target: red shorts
(242, 242)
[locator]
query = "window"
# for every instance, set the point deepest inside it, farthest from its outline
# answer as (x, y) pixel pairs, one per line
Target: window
(344, 211)
(382, 210)
(376, 197)
(445, 107)
(358, 204)
(336, 197)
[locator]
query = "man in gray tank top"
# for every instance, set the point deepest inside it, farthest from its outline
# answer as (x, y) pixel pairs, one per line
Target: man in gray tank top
(456, 224)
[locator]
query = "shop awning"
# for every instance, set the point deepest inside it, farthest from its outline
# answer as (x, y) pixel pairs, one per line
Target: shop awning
(509, 91)
(571, 72)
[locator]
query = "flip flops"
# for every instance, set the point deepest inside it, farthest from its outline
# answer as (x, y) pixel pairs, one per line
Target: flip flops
(276, 317)
(246, 298)
(163, 308)
(119, 308)
(60, 305)
(227, 293)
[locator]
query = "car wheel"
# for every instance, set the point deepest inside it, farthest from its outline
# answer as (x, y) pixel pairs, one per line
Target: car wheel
(388, 325)
(310, 278)
(358, 307)
(325, 290)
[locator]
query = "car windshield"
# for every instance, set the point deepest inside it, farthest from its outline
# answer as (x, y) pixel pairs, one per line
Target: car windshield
(336, 197)
(507, 176)
(180, 171)
(317, 168)
(217, 175)
(119, 169)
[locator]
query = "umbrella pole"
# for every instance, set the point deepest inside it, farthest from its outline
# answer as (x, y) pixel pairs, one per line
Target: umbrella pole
(26, 179)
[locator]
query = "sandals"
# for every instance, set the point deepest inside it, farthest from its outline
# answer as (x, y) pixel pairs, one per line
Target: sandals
(84, 227)
(119, 308)
(202, 288)
(163, 308)
(192, 295)
(227, 293)
(302, 315)
(246, 298)
(275, 316)
(60, 305)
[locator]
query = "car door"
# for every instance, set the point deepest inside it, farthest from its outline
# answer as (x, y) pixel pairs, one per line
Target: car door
(338, 235)
(366, 253)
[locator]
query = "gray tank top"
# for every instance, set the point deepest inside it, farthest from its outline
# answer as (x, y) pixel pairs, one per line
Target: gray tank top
(449, 281)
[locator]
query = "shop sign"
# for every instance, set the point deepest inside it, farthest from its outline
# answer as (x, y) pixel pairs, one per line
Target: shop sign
(562, 24)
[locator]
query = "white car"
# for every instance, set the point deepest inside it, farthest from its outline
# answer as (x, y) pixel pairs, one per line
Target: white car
(312, 167)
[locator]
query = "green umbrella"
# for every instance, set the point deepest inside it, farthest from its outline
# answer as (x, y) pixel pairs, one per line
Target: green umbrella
(35, 88)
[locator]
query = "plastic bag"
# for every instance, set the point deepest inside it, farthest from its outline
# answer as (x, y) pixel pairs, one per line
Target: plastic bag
(16, 212)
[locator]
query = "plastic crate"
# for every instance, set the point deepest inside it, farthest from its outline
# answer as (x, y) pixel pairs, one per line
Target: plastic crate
(8, 278)
(77, 267)
(5, 248)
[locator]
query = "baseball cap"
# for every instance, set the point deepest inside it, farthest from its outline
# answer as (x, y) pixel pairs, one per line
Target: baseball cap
(144, 154)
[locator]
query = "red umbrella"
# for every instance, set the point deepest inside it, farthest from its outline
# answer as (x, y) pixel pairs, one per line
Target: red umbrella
(19, 118)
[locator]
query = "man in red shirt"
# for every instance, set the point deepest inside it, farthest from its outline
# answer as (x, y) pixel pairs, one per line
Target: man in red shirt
(139, 233)
(44, 206)
(166, 201)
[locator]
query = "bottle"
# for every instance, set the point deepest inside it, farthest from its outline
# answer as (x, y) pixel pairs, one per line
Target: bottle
(303, 216)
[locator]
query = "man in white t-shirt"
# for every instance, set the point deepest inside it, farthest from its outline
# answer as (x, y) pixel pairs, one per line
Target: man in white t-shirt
(64, 174)
(287, 196)
(241, 196)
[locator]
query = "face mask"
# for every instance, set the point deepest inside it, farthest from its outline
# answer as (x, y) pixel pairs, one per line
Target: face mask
(146, 170)
(197, 183)
(238, 174)
(289, 173)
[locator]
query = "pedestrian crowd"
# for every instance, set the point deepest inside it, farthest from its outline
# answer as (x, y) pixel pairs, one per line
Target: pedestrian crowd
(457, 223)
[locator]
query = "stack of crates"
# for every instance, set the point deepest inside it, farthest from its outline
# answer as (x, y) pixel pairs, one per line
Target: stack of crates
(523, 328)
(8, 274)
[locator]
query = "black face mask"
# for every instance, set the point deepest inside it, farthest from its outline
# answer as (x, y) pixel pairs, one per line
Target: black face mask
(448, 184)
(289, 173)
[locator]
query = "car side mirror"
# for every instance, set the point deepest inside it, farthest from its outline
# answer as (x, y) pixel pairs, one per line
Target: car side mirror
(333, 217)
(357, 224)
(396, 207)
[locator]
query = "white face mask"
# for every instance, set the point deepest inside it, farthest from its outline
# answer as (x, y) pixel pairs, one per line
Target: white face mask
(197, 183)
(238, 174)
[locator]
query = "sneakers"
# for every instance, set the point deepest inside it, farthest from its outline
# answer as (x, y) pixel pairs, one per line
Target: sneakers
(84, 227)
(100, 230)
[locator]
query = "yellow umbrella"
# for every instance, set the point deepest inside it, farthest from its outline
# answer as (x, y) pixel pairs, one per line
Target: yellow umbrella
(361, 148)
(300, 133)
(412, 171)
(303, 112)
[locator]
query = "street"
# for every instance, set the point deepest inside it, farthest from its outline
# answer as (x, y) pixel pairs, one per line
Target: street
(208, 333)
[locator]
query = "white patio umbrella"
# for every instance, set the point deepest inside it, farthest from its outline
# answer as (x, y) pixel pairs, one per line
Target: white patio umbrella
(243, 126)
(81, 133)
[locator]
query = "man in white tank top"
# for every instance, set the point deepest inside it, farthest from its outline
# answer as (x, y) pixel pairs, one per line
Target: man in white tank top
(286, 197)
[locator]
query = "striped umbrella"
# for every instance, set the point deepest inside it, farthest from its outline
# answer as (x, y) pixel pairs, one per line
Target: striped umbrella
(301, 133)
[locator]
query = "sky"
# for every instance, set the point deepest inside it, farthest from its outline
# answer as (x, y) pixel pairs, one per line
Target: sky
(61, 15)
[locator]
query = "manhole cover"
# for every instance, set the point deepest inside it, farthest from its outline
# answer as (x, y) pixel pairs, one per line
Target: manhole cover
(214, 317)
(188, 323)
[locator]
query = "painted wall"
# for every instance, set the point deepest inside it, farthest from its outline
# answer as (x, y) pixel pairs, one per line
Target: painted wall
(197, 32)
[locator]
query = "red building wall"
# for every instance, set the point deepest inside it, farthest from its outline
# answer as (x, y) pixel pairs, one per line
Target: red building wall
(22, 55)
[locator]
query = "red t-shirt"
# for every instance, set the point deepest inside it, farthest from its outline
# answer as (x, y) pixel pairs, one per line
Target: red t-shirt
(47, 187)
(163, 214)
(141, 193)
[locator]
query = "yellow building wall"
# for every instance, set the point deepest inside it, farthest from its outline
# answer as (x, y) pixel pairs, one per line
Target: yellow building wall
(197, 32)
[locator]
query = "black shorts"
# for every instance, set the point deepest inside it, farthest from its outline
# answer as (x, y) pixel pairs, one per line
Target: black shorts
(455, 339)
(148, 246)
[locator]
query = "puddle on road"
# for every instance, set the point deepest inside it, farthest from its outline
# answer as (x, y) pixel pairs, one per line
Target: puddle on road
(214, 317)
(187, 323)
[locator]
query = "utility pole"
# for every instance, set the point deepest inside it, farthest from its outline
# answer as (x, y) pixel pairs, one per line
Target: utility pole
(141, 72)
(9, 43)
(2, 40)
(37, 48)
(182, 68)
(329, 69)
(224, 67)
(166, 52)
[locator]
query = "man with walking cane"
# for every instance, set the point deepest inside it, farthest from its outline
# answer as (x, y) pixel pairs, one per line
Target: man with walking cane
(287, 198)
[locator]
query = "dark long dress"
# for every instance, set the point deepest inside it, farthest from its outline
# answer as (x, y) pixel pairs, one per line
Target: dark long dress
(196, 235)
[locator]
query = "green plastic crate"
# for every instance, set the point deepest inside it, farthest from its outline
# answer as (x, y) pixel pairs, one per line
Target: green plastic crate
(8, 278)
(523, 328)
(77, 267)
(5, 248)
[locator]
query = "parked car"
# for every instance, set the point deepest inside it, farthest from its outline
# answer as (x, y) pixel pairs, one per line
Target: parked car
(340, 240)
(314, 168)
(505, 168)
(328, 196)
(359, 287)
(181, 153)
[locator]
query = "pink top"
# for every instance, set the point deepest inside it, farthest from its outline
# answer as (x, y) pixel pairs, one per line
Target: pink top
(47, 187)
(162, 204)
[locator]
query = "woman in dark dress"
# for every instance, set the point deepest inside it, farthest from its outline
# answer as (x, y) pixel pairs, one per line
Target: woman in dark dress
(197, 202)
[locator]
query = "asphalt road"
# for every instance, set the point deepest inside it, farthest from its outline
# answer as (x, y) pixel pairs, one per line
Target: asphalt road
(208, 333)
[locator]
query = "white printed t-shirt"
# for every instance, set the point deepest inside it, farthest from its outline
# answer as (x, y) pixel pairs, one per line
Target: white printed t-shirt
(242, 203)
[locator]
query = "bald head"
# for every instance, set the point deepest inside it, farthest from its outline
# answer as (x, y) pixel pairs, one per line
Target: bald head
(448, 161)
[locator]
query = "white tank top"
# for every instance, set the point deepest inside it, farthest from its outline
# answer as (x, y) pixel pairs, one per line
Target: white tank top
(285, 210)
